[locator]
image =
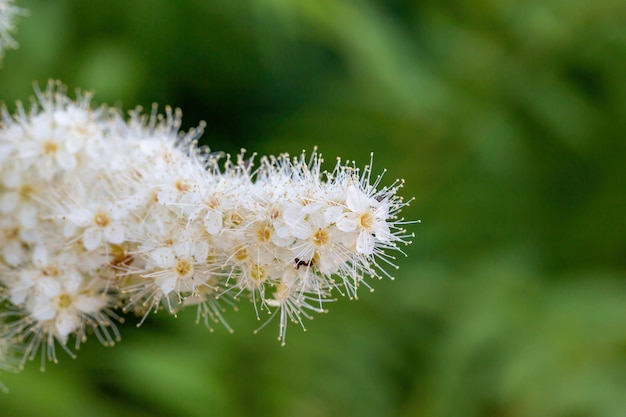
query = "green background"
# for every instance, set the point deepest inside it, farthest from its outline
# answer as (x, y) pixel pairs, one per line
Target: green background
(505, 117)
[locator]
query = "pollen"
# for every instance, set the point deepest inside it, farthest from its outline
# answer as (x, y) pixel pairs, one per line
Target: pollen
(213, 202)
(183, 268)
(367, 220)
(51, 271)
(50, 148)
(236, 218)
(182, 186)
(101, 220)
(27, 191)
(120, 258)
(257, 273)
(241, 255)
(321, 237)
(12, 233)
(64, 301)
(263, 233)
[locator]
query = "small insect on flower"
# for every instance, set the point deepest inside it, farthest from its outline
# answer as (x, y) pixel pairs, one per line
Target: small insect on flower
(300, 262)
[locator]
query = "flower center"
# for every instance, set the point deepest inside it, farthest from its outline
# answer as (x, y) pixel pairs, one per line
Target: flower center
(182, 186)
(183, 268)
(51, 271)
(119, 257)
(50, 148)
(236, 218)
(213, 202)
(12, 233)
(64, 301)
(263, 234)
(27, 191)
(367, 220)
(241, 255)
(321, 237)
(257, 273)
(101, 220)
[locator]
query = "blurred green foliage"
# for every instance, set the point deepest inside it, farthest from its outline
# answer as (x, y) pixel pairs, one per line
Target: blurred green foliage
(506, 118)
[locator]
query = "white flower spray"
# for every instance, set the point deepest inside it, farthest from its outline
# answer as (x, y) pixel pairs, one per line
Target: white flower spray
(103, 215)
(8, 14)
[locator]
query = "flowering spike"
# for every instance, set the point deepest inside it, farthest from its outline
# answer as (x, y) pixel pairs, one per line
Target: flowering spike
(103, 213)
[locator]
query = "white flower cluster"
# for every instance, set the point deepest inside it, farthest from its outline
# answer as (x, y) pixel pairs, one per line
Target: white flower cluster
(8, 12)
(101, 215)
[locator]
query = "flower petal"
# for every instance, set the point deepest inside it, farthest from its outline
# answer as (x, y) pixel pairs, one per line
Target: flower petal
(213, 221)
(114, 233)
(356, 200)
(89, 304)
(66, 322)
(365, 243)
(92, 238)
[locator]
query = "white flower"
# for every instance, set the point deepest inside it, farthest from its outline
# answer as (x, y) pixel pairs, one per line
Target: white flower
(21, 282)
(364, 218)
(319, 244)
(95, 216)
(13, 250)
(180, 268)
(60, 304)
(66, 303)
(19, 196)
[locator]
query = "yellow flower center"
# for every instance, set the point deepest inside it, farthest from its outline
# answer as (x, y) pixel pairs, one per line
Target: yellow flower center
(321, 237)
(50, 148)
(27, 191)
(183, 268)
(367, 220)
(101, 220)
(241, 255)
(213, 202)
(11, 233)
(236, 218)
(257, 273)
(51, 271)
(64, 301)
(182, 186)
(263, 233)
